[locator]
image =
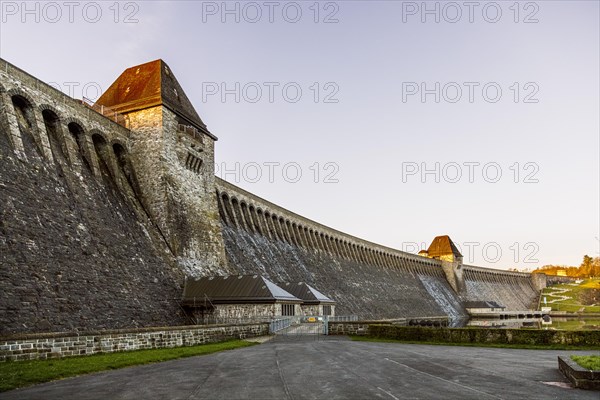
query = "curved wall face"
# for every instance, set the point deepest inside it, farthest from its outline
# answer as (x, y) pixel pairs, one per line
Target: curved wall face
(261, 238)
(75, 249)
(513, 290)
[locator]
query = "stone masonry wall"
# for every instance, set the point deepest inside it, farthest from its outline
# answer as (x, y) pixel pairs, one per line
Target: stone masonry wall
(42, 346)
(99, 224)
(77, 251)
(178, 193)
(367, 280)
(513, 290)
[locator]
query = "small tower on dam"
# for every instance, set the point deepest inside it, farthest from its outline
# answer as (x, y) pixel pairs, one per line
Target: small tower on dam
(172, 153)
(443, 248)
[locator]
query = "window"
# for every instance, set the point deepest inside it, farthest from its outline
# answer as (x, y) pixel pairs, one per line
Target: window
(288, 309)
(326, 310)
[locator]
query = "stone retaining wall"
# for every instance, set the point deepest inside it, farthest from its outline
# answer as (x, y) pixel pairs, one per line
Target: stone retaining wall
(580, 377)
(65, 344)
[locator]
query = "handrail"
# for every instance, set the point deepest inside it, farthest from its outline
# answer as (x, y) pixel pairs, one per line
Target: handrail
(105, 111)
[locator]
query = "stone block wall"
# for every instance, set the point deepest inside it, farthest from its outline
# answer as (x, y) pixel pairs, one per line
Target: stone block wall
(99, 224)
(240, 311)
(77, 250)
(178, 193)
(355, 328)
(515, 290)
(365, 279)
(57, 345)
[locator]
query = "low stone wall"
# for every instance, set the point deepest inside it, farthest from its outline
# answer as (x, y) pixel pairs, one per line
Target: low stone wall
(486, 335)
(357, 328)
(579, 376)
(66, 344)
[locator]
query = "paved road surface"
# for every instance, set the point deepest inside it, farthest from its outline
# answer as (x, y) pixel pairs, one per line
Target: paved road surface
(329, 369)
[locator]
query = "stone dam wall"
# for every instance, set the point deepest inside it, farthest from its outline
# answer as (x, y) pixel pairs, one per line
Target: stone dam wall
(76, 250)
(514, 290)
(366, 279)
(81, 247)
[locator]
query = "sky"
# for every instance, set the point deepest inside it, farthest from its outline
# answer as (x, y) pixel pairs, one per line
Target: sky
(392, 121)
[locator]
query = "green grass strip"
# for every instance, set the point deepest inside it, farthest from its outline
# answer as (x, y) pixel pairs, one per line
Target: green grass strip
(591, 363)
(15, 374)
(494, 345)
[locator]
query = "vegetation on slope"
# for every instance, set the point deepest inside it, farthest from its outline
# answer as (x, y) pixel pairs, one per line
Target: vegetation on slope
(573, 297)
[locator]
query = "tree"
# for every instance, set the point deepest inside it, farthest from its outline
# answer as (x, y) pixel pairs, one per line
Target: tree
(586, 269)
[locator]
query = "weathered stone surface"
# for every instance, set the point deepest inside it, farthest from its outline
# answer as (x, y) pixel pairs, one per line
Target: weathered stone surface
(32, 347)
(178, 198)
(75, 252)
(580, 377)
(99, 224)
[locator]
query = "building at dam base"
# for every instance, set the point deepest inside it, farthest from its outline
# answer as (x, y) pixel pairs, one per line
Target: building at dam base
(106, 209)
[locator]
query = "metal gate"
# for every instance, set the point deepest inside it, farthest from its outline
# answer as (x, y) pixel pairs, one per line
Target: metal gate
(299, 328)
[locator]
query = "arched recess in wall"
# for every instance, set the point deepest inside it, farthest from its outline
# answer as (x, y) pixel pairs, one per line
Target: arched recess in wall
(55, 136)
(221, 208)
(293, 234)
(125, 168)
(228, 209)
(284, 232)
(255, 220)
(296, 234)
(323, 242)
(309, 243)
(78, 134)
(25, 114)
(262, 223)
(269, 224)
(246, 217)
(235, 205)
(103, 155)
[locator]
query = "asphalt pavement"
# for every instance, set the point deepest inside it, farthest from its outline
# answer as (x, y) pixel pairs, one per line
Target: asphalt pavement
(337, 368)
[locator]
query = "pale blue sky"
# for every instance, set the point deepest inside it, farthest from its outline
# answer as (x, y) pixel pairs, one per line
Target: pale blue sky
(370, 132)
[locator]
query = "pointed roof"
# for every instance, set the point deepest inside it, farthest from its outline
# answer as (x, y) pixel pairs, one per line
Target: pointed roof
(235, 289)
(443, 246)
(307, 293)
(149, 85)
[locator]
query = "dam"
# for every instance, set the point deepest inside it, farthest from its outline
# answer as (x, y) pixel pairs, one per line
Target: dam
(106, 208)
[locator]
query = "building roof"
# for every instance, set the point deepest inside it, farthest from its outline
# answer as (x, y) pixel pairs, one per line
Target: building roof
(236, 289)
(307, 293)
(482, 304)
(443, 246)
(150, 85)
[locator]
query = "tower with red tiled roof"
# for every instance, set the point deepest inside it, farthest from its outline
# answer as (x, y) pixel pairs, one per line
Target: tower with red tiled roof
(173, 152)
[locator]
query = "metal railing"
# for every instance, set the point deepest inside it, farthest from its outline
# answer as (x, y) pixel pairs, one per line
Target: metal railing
(278, 324)
(105, 111)
(342, 318)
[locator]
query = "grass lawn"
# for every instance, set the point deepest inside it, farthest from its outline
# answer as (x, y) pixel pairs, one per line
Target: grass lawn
(573, 291)
(501, 346)
(588, 362)
(14, 374)
(576, 324)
